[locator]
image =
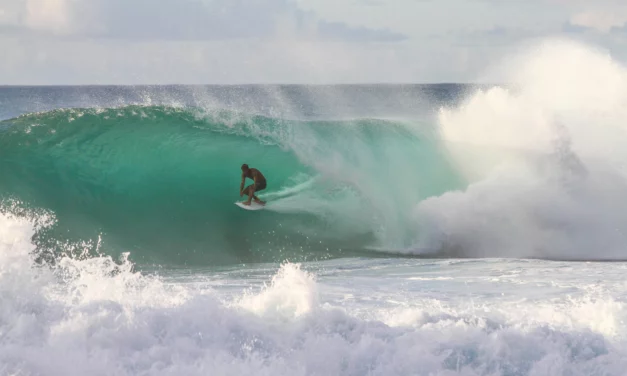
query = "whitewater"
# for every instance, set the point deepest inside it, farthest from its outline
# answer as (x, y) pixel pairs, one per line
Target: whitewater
(410, 229)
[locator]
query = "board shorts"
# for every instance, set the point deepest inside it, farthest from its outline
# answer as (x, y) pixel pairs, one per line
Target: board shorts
(260, 186)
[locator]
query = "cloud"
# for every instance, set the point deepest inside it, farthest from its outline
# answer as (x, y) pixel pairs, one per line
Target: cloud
(177, 20)
(342, 31)
(281, 41)
(601, 19)
(51, 15)
(494, 36)
(191, 42)
(576, 29)
(242, 61)
(373, 3)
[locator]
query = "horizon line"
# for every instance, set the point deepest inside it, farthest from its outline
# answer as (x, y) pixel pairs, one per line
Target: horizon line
(257, 84)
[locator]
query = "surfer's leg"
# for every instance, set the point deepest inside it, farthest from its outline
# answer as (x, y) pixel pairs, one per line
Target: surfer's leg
(248, 192)
(251, 196)
(259, 187)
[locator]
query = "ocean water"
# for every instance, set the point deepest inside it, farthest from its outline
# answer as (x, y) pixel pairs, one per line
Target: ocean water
(410, 229)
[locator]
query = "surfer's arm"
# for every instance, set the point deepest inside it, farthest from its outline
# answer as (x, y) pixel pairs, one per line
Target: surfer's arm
(241, 186)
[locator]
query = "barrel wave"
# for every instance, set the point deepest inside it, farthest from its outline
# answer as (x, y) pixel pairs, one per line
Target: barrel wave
(161, 181)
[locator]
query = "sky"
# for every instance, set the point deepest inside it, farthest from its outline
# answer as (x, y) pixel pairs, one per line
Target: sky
(48, 42)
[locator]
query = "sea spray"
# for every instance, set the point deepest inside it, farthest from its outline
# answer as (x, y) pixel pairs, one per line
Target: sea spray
(544, 161)
(291, 294)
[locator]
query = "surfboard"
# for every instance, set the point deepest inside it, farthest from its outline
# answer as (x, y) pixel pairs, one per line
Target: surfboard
(253, 206)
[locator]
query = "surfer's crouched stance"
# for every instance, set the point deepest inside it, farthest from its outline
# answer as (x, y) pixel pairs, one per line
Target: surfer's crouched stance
(258, 185)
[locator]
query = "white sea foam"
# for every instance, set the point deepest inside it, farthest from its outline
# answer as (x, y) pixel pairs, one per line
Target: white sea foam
(100, 317)
(292, 293)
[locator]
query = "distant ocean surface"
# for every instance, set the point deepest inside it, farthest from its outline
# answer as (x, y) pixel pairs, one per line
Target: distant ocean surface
(410, 229)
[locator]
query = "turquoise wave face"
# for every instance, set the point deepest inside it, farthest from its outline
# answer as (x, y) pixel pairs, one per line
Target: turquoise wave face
(160, 182)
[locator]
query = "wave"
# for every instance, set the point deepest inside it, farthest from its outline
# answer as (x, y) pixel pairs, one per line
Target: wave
(161, 181)
(532, 170)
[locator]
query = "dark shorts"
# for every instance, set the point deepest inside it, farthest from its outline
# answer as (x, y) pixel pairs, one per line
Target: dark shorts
(260, 186)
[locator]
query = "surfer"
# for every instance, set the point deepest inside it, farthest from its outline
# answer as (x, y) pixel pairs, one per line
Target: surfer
(258, 185)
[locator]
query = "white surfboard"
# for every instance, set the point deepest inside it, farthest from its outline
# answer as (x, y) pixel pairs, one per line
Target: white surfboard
(253, 206)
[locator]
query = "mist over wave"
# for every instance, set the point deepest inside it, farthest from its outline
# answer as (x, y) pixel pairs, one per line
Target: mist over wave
(545, 162)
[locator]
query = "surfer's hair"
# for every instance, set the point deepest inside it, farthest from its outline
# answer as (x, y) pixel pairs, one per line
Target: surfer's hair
(244, 167)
